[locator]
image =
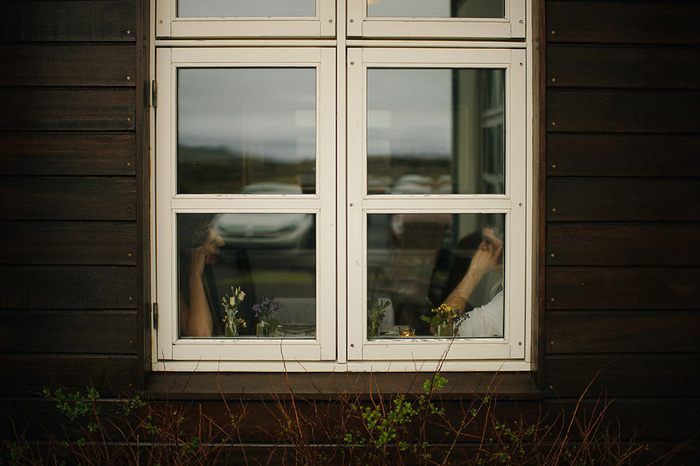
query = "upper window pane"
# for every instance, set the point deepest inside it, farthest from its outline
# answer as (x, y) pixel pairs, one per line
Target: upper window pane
(435, 131)
(436, 8)
(246, 8)
(246, 130)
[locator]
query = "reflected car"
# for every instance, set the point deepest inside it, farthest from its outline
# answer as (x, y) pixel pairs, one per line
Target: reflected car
(267, 230)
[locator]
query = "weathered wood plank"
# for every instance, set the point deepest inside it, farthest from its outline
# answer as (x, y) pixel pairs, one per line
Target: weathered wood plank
(104, 332)
(622, 287)
(68, 65)
(577, 154)
(28, 153)
(619, 243)
(623, 67)
(68, 287)
(68, 20)
(68, 243)
(58, 198)
(614, 111)
(622, 23)
(620, 375)
(66, 109)
(462, 385)
(30, 374)
(622, 331)
(622, 199)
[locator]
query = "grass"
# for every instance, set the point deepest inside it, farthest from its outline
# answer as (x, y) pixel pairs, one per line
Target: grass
(368, 428)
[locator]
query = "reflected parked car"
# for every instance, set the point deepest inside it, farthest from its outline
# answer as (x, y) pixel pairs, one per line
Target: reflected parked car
(267, 230)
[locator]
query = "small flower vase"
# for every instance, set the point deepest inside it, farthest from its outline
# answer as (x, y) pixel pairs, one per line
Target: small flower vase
(231, 329)
(262, 329)
(444, 330)
(373, 329)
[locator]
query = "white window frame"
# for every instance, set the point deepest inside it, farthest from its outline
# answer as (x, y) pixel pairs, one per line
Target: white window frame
(168, 24)
(169, 203)
(340, 203)
(512, 26)
(512, 203)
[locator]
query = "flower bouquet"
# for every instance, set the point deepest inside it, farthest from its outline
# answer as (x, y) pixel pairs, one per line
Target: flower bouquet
(445, 322)
(232, 323)
(265, 313)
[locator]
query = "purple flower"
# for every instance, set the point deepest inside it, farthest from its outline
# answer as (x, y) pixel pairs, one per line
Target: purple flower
(266, 307)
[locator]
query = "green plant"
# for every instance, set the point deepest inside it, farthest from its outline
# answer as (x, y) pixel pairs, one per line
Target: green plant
(375, 313)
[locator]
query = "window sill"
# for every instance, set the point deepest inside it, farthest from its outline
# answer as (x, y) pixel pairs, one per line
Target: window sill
(260, 386)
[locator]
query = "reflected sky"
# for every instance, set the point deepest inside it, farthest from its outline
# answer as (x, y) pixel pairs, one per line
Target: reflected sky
(409, 112)
(270, 111)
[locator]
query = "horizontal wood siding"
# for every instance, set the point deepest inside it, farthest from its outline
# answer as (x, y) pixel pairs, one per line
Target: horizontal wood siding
(622, 275)
(622, 154)
(101, 243)
(108, 373)
(68, 287)
(71, 235)
(622, 22)
(67, 109)
(69, 21)
(68, 153)
(623, 243)
(67, 65)
(69, 198)
(39, 331)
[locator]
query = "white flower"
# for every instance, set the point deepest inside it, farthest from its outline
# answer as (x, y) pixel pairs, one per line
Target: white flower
(232, 301)
(241, 296)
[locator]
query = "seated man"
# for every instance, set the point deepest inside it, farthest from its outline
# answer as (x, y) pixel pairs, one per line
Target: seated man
(486, 320)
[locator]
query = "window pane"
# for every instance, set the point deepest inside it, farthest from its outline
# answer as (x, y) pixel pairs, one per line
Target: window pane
(437, 8)
(271, 257)
(417, 259)
(246, 8)
(435, 131)
(246, 130)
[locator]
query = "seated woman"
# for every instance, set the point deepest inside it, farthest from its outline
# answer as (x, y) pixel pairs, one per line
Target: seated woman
(486, 320)
(198, 245)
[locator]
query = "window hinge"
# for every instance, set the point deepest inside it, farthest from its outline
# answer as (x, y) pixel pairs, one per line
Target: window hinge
(154, 93)
(155, 316)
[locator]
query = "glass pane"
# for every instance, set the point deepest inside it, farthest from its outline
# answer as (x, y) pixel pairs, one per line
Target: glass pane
(246, 130)
(435, 131)
(246, 8)
(247, 275)
(437, 8)
(417, 262)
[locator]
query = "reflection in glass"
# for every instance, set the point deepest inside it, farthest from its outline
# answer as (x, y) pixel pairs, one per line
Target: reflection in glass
(437, 8)
(270, 258)
(435, 131)
(246, 8)
(243, 126)
(417, 259)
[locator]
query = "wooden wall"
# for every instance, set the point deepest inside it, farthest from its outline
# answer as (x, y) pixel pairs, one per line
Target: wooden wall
(622, 217)
(72, 190)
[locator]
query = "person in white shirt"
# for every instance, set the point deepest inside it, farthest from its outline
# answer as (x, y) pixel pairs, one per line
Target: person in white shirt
(486, 320)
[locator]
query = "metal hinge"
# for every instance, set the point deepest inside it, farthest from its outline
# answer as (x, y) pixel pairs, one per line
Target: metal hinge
(154, 93)
(155, 316)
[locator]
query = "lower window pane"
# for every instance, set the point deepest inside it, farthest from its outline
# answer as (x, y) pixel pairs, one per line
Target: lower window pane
(418, 262)
(247, 275)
